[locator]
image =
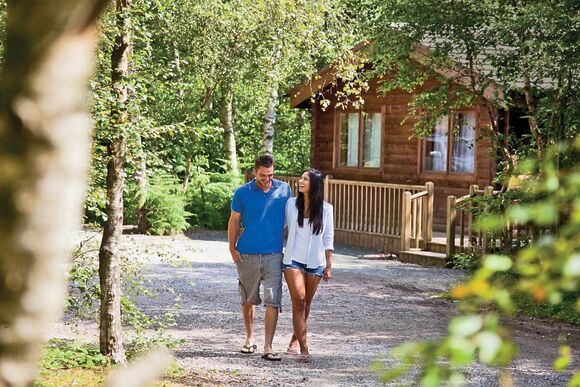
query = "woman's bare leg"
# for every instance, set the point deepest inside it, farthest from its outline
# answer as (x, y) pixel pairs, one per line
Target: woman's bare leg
(312, 282)
(302, 291)
(296, 281)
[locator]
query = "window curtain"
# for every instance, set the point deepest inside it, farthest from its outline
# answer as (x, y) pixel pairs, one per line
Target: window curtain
(352, 149)
(436, 147)
(463, 149)
(372, 140)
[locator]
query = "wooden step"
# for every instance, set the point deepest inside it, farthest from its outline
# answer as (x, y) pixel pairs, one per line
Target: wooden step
(424, 258)
(437, 247)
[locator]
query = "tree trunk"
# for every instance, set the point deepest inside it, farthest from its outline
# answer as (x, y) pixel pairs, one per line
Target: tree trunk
(187, 173)
(270, 120)
(270, 115)
(532, 114)
(44, 151)
(111, 343)
(142, 188)
(227, 121)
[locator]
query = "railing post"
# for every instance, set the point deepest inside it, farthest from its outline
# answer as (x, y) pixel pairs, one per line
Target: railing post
(326, 194)
(470, 238)
(485, 238)
(430, 188)
(451, 214)
(406, 221)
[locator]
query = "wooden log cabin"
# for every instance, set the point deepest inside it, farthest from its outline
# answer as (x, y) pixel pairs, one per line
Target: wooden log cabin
(372, 144)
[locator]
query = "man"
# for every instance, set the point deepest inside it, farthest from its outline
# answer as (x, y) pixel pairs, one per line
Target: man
(255, 235)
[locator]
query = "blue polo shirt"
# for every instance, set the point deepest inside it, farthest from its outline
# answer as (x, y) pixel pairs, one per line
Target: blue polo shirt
(262, 217)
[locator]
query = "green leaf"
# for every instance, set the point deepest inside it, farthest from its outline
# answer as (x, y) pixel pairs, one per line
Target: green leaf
(572, 267)
(497, 262)
(503, 300)
(489, 346)
(521, 214)
(575, 381)
(545, 213)
(431, 378)
(462, 351)
(456, 379)
(464, 326)
(561, 363)
(489, 223)
(551, 184)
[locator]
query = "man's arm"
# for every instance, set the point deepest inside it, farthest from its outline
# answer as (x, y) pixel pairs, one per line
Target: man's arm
(234, 225)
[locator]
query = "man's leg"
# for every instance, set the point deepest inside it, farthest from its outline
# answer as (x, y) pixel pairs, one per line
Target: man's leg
(270, 322)
(249, 287)
(272, 281)
(248, 311)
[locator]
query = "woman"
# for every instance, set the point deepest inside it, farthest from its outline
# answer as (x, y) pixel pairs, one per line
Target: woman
(308, 255)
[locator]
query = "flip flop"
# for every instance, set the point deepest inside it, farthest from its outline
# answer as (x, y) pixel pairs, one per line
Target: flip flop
(271, 356)
(303, 359)
(291, 351)
(248, 349)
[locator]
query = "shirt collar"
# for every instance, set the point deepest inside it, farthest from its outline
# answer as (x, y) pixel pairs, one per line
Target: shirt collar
(254, 187)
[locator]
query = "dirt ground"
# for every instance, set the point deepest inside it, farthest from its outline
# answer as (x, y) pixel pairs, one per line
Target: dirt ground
(366, 310)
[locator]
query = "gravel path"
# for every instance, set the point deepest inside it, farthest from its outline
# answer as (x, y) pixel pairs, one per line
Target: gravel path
(367, 309)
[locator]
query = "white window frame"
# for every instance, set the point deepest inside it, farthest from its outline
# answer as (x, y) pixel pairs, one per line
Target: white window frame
(447, 155)
(355, 151)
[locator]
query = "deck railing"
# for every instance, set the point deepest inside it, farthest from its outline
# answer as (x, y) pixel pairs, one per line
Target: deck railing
(461, 236)
(391, 210)
(376, 208)
(460, 216)
(417, 218)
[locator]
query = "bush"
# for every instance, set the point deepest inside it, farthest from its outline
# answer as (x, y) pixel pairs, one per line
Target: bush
(95, 203)
(465, 261)
(63, 354)
(165, 205)
(209, 200)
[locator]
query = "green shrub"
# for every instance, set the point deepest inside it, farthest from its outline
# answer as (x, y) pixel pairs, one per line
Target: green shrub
(64, 354)
(95, 203)
(465, 261)
(165, 205)
(209, 200)
(130, 205)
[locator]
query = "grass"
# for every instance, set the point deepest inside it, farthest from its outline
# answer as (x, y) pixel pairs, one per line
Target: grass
(72, 363)
(72, 377)
(525, 305)
(564, 311)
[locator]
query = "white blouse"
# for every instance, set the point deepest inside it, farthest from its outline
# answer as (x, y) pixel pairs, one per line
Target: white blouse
(302, 242)
(317, 244)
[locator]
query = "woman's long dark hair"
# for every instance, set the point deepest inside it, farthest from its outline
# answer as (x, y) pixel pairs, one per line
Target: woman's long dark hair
(316, 196)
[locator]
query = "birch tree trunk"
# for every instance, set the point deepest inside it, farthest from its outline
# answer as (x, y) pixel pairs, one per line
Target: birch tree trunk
(44, 151)
(270, 120)
(270, 115)
(142, 187)
(111, 342)
(227, 121)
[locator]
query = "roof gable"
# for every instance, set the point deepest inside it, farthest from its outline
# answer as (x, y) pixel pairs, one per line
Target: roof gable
(301, 94)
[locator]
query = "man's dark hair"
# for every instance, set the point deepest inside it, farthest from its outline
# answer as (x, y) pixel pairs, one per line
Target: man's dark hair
(264, 161)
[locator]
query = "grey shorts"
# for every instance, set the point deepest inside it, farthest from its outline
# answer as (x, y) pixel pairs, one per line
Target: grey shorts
(265, 269)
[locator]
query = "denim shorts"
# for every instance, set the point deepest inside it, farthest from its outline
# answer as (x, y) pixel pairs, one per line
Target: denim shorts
(318, 271)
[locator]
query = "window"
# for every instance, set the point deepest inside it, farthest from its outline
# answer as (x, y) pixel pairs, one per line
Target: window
(454, 150)
(360, 140)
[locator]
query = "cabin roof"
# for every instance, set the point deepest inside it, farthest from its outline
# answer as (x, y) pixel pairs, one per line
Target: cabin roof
(301, 94)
